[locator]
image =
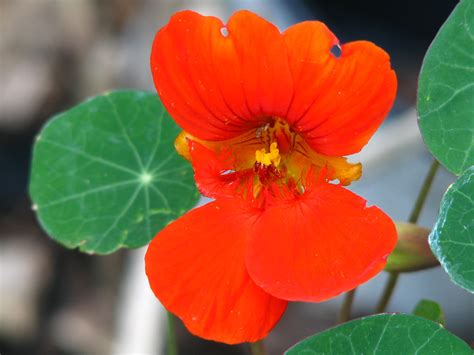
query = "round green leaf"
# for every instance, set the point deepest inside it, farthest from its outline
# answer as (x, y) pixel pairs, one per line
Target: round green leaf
(105, 174)
(429, 310)
(385, 334)
(446, 91)
(452, 238)
(412, 252)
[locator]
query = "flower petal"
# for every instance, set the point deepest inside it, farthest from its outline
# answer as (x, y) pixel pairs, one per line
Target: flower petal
(213, 172)
(196, 268)
(338, 102)
(217, 85)
(319, 245)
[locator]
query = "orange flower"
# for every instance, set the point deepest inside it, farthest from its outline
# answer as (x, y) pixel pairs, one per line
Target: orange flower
(267, 117)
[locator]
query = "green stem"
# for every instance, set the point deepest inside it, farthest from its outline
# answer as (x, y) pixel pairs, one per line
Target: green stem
(425, 188)
(172, 343)
(414, 215)
(345, 313)
(258, 348)
(388, 292)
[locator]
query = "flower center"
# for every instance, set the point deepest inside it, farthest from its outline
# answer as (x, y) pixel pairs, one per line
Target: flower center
(278, 131)
(267, 159)
(269, 156)
(270, 161)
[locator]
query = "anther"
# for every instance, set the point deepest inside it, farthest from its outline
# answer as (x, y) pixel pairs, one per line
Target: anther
(267, 159)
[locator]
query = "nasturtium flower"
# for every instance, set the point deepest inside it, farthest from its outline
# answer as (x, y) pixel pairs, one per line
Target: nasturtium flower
(267, 118)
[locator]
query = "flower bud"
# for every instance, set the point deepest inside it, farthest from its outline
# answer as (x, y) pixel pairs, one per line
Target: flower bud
(412, 252)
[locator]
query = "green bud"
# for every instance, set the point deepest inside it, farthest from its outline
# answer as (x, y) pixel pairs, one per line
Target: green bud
(412, 252)
(430, 310)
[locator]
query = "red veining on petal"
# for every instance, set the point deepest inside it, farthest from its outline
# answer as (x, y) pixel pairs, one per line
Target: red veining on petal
(260, 162)
(269, 116)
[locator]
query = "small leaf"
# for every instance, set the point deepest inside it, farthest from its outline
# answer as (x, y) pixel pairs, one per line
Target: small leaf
(446, 91)
(452, 238)
(430, 310)
(105, 173)
(388, 334)
(412, 252)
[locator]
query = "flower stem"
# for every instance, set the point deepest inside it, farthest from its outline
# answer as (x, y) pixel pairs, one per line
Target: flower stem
(258, 348)
(172, 343)
(425, 188)
(414, 215)
(345, 313)
(388, 291)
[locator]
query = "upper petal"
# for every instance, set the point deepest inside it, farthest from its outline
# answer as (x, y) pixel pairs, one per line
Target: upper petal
(339, 102)
(319, 245)
(196, 268)
(216, 85)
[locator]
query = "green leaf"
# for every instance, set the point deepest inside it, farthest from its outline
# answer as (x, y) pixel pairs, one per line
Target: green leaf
(412, 252)
(452, 238)
(430, 310)
(105, 174)
(446, 91)
(388, 334)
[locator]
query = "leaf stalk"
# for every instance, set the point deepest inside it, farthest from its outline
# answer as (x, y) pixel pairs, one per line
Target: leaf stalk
(414, 215)
(258, 348)
(172, 344)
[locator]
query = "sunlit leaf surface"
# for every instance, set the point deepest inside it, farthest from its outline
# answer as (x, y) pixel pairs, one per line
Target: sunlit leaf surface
(452, 238)
(446, 91)
(384, 334)
(105, 174)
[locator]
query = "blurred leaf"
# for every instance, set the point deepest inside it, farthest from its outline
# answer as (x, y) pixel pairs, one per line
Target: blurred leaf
(412, 252)
(388, 334)
(430, 310)
(105, 174)
(446, 91)
(452, 238)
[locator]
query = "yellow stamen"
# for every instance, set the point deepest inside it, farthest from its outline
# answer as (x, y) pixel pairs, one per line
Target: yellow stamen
(267, 159)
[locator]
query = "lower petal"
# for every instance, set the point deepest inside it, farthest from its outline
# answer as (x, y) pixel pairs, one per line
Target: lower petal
(319, 245)
(214, 175)
(196, 268)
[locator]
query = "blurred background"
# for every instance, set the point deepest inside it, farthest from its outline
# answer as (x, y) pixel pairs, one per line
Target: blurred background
(56, 53)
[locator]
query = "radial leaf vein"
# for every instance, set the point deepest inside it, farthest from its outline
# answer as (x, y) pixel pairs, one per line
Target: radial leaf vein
(90, 156)
(125, 133)
(88, 192)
